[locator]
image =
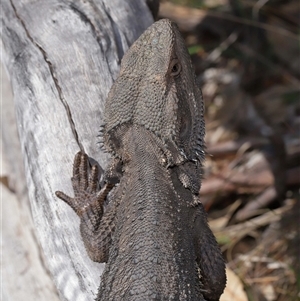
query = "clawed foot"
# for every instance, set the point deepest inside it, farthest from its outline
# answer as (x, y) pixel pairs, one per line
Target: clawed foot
(88, 198)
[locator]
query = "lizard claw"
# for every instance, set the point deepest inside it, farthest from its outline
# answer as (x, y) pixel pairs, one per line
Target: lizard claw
(87, 194)
(61, 195)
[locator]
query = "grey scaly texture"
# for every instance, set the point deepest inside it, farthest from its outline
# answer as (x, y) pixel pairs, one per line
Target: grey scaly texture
(147, 222)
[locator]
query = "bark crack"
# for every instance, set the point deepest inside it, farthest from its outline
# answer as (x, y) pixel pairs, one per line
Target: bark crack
(98, 36)
(55, 80)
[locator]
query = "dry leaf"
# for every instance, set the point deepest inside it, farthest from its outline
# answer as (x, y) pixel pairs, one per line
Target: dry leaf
(234, 290)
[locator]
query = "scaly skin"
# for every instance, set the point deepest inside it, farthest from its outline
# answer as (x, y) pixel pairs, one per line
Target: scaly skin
(153, 231)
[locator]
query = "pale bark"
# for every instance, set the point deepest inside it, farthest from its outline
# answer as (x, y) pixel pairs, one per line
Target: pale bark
(62, 58)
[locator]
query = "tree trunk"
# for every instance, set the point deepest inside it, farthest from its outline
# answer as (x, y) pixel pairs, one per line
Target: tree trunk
(62, 58)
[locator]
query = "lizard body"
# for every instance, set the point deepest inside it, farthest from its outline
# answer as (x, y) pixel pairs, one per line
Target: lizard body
(152, 230)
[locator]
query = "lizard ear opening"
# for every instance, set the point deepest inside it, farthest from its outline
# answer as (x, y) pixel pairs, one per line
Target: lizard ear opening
(175, 67)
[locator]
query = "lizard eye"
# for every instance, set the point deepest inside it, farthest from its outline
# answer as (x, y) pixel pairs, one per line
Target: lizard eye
(175, 67)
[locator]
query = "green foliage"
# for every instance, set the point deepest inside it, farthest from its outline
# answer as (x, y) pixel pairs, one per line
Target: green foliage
(190, 3)
(195, 49)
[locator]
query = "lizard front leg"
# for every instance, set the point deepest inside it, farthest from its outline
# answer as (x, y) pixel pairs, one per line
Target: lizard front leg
(209, 257)
(96, 227)
(208, 254)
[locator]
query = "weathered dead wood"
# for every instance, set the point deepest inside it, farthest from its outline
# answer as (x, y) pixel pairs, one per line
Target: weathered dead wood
(62, 57)
(24, 273)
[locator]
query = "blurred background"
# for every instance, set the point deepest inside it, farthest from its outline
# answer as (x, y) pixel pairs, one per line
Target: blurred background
(247, 59)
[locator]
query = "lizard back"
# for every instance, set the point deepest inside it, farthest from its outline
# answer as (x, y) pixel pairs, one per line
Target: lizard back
(152, 256)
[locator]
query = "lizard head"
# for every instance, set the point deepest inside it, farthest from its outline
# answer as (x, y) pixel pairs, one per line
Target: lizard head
(156, 89)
